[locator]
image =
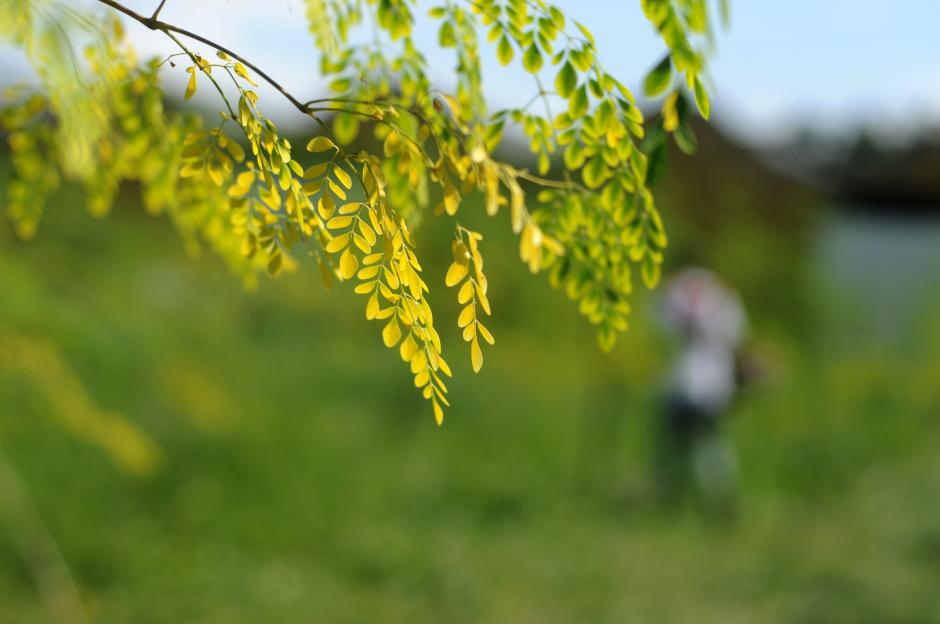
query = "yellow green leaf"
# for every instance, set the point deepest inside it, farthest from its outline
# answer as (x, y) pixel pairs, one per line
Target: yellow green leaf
(368, 273)
(650, 271)
(466, 315)
(476, 355)
(466, 292)
(336, 189)
(338, 243)
(391, 334)
(532, 59)
(326, 205)
(408, 348)
(191, 85)
(566, 81)
(315, 171)
(671, 112)
(343, 177)
(372, 308)
(455, 274)
(340, 222)
(392, 143)
(241, 71)
(487, 336)
(658, 79)
(367, 232)
(504, 51)
(362, 244)
(701, 99)
(320, 144)
(312, 188)
(348, 264)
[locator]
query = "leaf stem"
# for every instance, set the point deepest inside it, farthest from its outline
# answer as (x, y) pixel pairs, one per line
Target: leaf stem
(154, 24)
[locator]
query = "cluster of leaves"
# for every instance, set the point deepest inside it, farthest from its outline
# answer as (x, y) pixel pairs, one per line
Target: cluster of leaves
(128, 135)
(242, 188)
(685, 28)
(467, 271)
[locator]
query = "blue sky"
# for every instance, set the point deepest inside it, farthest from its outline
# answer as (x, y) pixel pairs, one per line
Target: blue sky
(829, 64)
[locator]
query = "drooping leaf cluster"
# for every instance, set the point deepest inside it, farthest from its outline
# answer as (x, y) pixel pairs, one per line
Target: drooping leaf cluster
(240, 187)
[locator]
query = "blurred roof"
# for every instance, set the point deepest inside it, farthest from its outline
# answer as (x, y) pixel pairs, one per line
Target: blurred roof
(867, 173)
(897, 180)
(727, 180)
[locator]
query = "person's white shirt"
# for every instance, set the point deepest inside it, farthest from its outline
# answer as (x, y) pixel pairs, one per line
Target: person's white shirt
(710, 321)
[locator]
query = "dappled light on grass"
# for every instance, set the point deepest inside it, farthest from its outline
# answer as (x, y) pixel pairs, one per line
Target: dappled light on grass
(38, 363)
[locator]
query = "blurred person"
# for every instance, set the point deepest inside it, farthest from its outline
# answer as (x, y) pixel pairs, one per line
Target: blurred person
(694, 455)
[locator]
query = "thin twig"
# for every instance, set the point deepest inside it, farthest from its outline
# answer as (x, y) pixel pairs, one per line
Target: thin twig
(192, 56)
(306, 108)
(159, 8)
(155, 24)
(566, 185)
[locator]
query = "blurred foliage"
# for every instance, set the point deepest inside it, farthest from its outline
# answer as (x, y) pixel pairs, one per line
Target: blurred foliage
(533, 505)
(38, 362)
(729, 211)
(279, 483)
(241, 187)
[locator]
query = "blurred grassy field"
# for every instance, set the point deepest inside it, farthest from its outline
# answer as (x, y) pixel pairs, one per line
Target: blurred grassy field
(301, 478)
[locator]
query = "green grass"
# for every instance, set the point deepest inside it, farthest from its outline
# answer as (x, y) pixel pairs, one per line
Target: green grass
(303, 480)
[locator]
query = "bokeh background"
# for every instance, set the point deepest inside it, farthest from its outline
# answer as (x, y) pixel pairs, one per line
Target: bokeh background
(176, 449)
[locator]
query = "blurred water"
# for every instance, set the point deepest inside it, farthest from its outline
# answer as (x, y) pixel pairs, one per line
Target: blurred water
(887, 267)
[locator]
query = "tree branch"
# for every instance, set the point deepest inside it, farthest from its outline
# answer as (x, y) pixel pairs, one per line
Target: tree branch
(159, 8)
(154, 24)
(307, 108)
